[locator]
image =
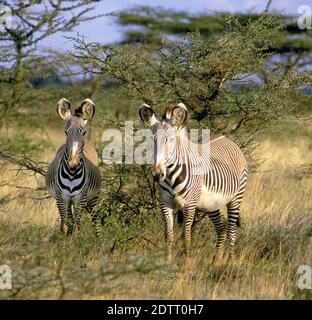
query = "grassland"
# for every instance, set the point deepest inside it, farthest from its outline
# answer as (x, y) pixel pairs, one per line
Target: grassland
(127, 262)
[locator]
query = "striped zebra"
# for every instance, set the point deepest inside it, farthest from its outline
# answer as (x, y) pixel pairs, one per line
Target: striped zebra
(73, 177)
(195, 176)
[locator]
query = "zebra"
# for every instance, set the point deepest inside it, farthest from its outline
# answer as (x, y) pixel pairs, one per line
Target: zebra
(195, 176)
(73, 177)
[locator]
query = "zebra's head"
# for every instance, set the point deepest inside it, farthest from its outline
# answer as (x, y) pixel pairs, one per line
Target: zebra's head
(166, 132)
(75, 128)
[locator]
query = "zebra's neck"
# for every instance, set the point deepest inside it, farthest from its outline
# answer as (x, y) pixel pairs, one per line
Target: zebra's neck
(186, 165)
(186, 152)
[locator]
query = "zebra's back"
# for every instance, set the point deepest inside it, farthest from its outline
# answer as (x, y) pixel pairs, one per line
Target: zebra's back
(227, 152)
(92, 158)
(90, 153)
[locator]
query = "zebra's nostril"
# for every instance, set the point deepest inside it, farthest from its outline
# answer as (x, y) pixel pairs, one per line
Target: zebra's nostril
(156, 177)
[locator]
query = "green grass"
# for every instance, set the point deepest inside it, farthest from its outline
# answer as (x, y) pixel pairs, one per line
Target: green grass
(127, 261)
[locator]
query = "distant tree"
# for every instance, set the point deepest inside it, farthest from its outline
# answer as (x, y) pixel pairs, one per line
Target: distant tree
(32, 22)
(149, 26)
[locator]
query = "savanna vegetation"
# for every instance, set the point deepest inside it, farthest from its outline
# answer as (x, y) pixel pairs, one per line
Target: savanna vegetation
(245, 76)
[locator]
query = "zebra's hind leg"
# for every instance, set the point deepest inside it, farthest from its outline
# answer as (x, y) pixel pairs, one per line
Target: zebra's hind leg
(219, 223)
(233, 209)
(180, 217)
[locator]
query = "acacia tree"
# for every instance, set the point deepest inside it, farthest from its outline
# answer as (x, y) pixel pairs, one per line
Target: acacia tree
(32, 22)
(218, 80)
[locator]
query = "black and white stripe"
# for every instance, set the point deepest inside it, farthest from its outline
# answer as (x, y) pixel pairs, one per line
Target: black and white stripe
(194, 176)
(73, 179)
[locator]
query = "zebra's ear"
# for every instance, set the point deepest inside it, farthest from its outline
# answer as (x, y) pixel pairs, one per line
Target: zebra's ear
(147, 114)
(86, 110)
(63, 108)
(178, 115)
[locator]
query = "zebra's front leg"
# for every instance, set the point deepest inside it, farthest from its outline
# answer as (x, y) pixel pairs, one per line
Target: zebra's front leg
(189, 213)
(76, 218)
(65, 212)
(233, 210)
(218, 220)
(79, 205)
(70, 222)
(167, 211)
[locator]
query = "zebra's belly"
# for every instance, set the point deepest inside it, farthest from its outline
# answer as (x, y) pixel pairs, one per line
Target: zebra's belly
(179, 202)
(210, 201)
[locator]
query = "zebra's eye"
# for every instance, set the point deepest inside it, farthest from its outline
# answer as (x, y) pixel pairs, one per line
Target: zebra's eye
(66, 132)
(84, 133)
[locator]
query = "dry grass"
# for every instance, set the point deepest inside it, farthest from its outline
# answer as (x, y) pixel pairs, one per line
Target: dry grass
(127, 263)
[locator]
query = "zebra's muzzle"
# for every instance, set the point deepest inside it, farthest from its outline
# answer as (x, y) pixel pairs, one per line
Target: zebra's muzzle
(159, 176)
(73, 161)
